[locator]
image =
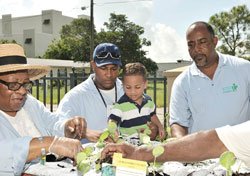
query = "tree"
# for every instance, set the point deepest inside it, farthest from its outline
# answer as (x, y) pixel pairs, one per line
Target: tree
(2, 41)
(126, 35)
(233, 30)
(74, 43)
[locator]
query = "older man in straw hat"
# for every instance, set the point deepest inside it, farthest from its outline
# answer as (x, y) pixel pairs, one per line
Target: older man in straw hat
(24, 120)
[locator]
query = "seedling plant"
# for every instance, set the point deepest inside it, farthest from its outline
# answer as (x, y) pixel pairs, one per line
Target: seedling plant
(227, 160)
(89, 157)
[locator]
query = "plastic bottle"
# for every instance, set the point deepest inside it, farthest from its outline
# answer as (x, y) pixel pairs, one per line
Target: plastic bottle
(43, 157)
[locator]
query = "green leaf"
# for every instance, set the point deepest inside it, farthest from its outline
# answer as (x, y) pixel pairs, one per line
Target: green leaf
(104, 136)
(112, 127)
(144, 139)
(227, 159)
(147, 131)
(98, 167)
(157, 165)
(158, 150)
(88, 150)
(97, 156)
(80, 156)
(84, 166)
(100, 144)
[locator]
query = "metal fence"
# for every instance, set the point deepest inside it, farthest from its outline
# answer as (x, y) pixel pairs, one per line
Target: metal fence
(51, 89)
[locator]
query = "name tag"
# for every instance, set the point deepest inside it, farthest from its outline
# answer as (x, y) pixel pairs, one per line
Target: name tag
(125, 167)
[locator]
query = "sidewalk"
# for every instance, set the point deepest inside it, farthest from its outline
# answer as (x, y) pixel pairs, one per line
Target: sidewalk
(160, 114)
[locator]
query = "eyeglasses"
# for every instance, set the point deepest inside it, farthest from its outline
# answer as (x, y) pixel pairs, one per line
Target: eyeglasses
(14, 86)
(105, 54)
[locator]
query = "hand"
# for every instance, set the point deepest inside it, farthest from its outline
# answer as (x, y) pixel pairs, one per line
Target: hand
(154, 130)
(75, 128)
(67, 147)
(162, 133)
(127, 150)
(93, 135)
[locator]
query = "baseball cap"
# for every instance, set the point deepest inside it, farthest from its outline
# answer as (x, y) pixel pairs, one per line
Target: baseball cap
(107, 53)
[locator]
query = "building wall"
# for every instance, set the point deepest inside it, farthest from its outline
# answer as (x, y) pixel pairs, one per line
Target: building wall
(171, 75)
(162, 67)
(6, 25)
(43, 40)
(56, 64)
(29, 42)
(34, 33)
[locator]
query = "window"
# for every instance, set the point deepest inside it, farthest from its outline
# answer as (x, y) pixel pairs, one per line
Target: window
(28, 40)
(46, 21)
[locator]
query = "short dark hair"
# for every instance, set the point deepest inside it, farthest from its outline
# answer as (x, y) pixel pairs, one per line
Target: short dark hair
(136, 68)
(207, 25)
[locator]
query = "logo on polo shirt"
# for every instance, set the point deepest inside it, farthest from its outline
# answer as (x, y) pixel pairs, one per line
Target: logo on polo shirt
(232, 88)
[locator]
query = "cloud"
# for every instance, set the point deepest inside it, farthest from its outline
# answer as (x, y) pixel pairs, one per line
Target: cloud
(35, 7)
(167, 45)
(137, 12)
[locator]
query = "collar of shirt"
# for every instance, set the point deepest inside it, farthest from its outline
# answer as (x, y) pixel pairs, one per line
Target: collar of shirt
(125, 98)
(196, 72)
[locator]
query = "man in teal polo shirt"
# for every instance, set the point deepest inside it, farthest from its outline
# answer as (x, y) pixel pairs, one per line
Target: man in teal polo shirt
(214, 91)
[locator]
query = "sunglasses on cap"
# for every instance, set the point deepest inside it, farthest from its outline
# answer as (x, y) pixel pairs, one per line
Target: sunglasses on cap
(14, 86)
(105, 54)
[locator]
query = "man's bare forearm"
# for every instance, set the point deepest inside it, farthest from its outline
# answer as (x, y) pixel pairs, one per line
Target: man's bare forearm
(195, 147)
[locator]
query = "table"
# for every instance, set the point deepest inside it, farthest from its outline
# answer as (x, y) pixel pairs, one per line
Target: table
(60, 168)
(64, 167)
(208, 167)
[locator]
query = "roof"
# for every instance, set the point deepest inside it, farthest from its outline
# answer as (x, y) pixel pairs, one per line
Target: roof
(175, 72)
(58, 63)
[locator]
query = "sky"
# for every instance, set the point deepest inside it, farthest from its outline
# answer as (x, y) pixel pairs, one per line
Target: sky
(164, 21)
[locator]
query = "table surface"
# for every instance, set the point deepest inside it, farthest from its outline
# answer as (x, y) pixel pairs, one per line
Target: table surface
(208, 167)
(60, 168)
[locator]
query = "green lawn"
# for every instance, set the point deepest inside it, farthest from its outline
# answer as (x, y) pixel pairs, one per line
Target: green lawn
(55, 91)
(159, 93)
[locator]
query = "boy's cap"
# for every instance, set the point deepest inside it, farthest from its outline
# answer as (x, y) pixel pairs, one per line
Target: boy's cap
(107, 53)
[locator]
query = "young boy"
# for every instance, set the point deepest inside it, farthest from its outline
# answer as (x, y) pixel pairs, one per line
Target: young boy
(135, 109)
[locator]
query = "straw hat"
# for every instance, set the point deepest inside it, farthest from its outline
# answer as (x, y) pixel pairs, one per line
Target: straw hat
(12, 58)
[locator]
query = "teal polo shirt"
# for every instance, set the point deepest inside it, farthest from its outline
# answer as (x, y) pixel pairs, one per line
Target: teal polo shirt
(199, 103)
